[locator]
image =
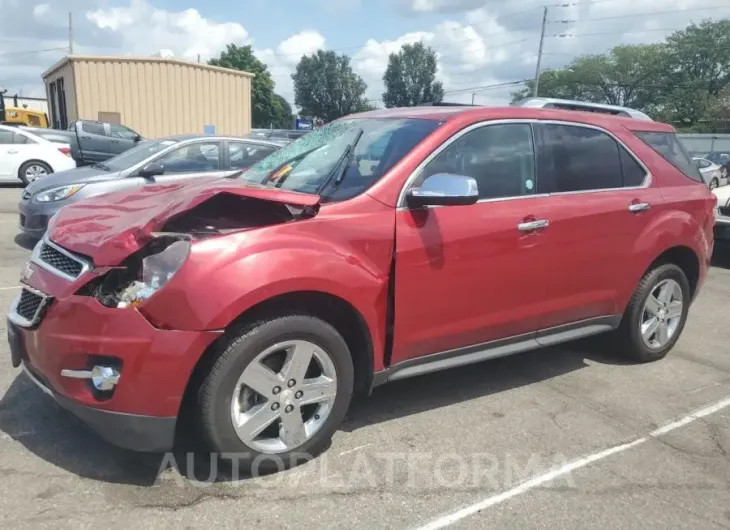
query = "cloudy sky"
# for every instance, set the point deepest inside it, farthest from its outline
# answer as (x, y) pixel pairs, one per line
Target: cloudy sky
(480, 42)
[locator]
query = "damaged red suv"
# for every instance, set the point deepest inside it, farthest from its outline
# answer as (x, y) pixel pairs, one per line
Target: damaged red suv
(382, 246)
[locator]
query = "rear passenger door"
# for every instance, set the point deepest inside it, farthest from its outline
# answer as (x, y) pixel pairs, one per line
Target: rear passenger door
(120, 138)
(242, 155)
(602, 199)
(94, 144)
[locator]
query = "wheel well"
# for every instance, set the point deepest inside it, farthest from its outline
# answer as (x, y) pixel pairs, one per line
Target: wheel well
(34, 161)
(685, 259)
(337, 312)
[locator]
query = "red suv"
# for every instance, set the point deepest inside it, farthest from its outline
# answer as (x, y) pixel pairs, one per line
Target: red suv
(382, 246)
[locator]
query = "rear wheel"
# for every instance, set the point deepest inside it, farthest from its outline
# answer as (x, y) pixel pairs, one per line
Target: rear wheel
(714, 183)
(277, 393)
(723, 172)
(33, 170)
(656, 315)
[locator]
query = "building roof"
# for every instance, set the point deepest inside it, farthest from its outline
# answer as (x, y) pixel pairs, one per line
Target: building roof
(126, 58)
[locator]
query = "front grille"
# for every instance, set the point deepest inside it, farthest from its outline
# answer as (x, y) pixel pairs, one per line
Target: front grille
(724, 211)
(28, 305)
(22, 220)
(60, 261)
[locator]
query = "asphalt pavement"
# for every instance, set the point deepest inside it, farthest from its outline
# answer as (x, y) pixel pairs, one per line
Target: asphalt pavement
(568, 437)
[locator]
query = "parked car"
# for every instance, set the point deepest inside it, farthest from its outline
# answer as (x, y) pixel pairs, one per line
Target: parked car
(722, 213)
(334, 265)
(151, 162)
(711, 173)
(721, 159)
(92, 141)
(280, 135)
(25, 157)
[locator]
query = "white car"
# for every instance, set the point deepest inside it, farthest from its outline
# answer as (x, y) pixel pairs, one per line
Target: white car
(722, 213)
(711, 172)
(26, 157)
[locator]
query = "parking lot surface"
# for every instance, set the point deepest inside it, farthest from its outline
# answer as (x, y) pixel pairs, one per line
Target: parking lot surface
(568, 437)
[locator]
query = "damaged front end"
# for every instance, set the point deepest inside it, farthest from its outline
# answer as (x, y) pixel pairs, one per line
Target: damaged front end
(150, 268)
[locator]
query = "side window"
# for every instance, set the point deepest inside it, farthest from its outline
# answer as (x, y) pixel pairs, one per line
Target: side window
(243, 155)
(117, 131)
(21, 139)
(669, 147)
(6, 137)
(575, 158)
(634, 174)
(91, 127)
(191, 158)
(499, 157)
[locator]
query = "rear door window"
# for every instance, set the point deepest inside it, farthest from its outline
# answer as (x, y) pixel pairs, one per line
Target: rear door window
(575, 158)
(671, 149)
(93, 128)
(243, 154)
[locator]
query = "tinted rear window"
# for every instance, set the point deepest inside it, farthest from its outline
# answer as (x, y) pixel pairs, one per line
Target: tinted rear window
(672, 150)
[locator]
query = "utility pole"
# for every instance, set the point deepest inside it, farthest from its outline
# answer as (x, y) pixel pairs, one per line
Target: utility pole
(539, 52)
(472, 97)
(70, 34)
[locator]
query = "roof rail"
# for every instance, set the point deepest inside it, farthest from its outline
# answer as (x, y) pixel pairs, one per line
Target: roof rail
(583, 106)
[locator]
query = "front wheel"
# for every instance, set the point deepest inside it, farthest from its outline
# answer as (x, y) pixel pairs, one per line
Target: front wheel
(714, 183)
(656, 314)
(277, 393)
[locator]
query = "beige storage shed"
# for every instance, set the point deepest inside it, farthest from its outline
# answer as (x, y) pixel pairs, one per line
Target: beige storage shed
(155, 96)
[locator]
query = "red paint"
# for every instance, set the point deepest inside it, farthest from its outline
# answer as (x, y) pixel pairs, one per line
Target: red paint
(464, 275)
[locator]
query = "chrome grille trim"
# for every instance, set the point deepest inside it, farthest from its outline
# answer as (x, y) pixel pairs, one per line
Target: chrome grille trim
(36, 258)
(18, 319)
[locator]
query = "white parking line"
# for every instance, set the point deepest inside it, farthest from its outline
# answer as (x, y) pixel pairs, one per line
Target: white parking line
(449, 519)
(9, 288)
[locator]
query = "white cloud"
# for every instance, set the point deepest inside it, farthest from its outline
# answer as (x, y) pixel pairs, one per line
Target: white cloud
(40, 10)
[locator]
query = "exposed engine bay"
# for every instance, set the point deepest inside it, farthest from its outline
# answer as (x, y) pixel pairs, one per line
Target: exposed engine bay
(140, 275)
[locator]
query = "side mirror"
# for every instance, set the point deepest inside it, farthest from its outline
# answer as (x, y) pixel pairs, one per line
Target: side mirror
(444, 189)
(138, 138)
(152, 170)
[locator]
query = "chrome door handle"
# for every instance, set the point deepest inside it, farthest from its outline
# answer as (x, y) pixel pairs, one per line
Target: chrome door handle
(639, 207)
(532, 225)
(12, 152)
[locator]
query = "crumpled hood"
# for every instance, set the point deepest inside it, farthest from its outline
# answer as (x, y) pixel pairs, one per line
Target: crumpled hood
(110, 227)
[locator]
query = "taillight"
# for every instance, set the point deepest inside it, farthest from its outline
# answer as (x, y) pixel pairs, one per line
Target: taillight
(65, 150)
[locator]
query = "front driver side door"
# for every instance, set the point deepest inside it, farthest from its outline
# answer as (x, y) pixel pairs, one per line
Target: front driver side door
(467, 275)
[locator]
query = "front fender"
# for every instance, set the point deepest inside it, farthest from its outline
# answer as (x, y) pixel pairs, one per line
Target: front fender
(218, 283)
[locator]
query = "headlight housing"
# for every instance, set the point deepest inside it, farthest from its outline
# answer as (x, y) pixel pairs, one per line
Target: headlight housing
(57, 194)
(157, 270)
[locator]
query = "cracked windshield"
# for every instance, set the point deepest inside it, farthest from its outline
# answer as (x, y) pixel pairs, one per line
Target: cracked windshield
(364, 264)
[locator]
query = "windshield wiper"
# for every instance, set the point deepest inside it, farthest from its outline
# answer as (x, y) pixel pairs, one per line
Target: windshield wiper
(338, 172)
(100, 165)
(269, 174)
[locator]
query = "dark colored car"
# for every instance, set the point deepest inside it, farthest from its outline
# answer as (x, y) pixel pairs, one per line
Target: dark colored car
(381, 246)
(173, 159)
(722, 160)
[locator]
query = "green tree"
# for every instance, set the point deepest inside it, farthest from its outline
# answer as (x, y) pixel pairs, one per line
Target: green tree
(410, 78)
(326, 87)
(283, 114)
(264, 111)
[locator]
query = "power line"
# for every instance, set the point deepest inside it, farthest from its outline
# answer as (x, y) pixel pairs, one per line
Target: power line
(635, 15)
(568, 35)
(30, 52)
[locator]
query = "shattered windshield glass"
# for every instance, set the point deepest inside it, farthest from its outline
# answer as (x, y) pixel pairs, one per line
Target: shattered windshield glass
(308, 164)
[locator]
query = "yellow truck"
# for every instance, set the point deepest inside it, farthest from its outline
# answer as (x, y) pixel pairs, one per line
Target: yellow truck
(21, 116)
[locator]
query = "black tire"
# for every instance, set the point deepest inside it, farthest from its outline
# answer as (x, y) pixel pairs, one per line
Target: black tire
(714, 183)
(216, 391)
(24, 168)
(723, 172)
(630, 343)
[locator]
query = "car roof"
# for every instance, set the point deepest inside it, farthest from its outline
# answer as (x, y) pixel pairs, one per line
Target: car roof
(474, 114)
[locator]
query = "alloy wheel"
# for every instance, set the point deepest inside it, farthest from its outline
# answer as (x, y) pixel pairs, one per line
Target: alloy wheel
(662, 314)
(34, 172)
(284, 396)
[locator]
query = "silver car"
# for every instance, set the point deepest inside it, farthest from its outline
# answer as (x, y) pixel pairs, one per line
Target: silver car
(711, 173)
(149, 162)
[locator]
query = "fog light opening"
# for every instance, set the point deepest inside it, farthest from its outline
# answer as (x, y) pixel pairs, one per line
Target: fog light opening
(104, 378)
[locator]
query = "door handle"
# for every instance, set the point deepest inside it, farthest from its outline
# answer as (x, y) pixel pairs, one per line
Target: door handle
(529, 226)
(639, 207)
(12, 151)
